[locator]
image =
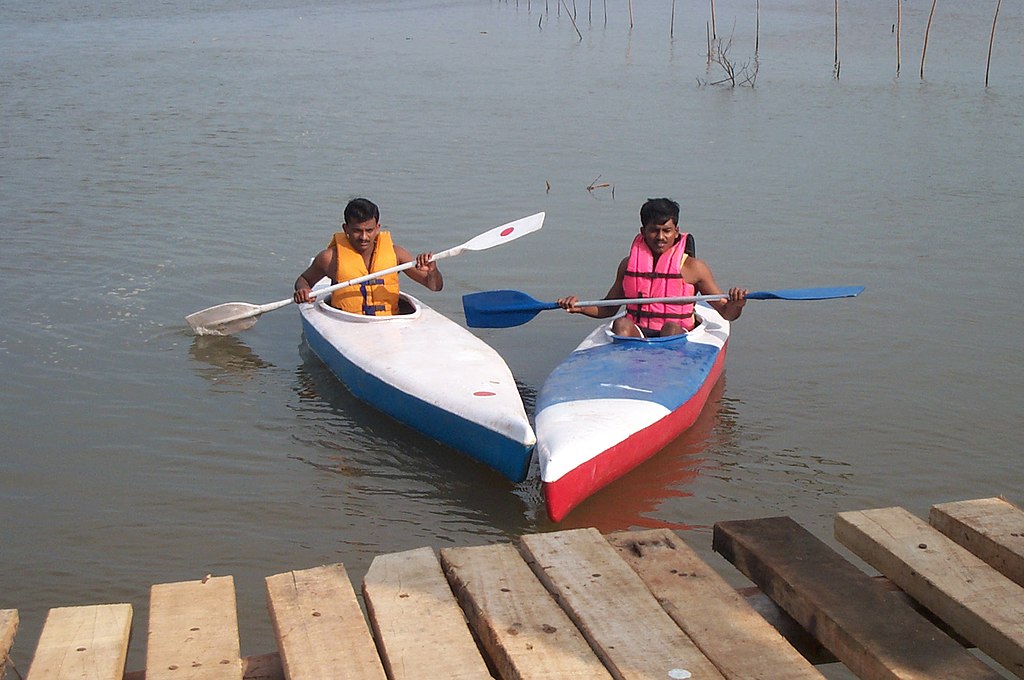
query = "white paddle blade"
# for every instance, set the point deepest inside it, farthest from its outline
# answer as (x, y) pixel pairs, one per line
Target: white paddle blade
(224, 319)
(505, 233)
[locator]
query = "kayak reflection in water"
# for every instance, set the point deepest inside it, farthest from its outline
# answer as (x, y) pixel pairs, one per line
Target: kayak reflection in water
(661, 263)
(362, 248)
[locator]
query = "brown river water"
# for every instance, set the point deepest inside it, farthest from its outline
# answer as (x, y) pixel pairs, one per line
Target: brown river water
(158, 159)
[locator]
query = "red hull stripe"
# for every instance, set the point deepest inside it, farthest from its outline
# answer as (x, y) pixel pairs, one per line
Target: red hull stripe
(565, 493)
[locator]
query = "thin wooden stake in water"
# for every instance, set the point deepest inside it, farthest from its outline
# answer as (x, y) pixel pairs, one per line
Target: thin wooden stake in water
(631, 13)
(835, 66)
(899, 29)
(714, 34)
(927, 30)
(568, 14)
(672, 23)
(707, 29)
(757, 26)
(991, 39)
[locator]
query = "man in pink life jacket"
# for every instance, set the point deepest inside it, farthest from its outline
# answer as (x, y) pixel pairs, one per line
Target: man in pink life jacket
(659, 265)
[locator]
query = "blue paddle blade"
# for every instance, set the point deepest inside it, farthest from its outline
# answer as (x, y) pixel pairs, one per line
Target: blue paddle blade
(501, 308)
(807, 293)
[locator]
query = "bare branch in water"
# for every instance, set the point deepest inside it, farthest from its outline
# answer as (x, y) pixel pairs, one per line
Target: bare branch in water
(991, 39)
(927, 30)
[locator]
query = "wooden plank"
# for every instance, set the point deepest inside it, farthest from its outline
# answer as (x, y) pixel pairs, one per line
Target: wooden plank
(83, 643)
(418, 625)
(193, 631)
(611, 606)
(719, 620)
(525, 632)
(256, 667)
(871, 630)
(991, 528)
(981, 604)
(320, 628)
(8, 629)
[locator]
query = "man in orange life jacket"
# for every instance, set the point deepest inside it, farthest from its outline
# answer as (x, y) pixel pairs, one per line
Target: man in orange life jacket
(361, 248)
(658, 265)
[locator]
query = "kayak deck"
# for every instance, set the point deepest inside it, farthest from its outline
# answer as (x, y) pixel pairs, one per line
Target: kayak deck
(431, 374)
(615, 402)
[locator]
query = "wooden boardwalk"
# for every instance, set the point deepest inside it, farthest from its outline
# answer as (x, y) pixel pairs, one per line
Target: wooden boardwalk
(576, 604)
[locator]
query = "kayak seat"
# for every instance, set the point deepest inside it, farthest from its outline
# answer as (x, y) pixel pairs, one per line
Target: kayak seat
(405, 307)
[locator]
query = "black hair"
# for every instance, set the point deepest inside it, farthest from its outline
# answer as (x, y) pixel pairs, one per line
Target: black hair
(361, 210)
(659, 211)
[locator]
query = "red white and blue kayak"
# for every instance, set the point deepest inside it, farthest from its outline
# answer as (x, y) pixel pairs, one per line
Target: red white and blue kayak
(614, 402)
(430, 373)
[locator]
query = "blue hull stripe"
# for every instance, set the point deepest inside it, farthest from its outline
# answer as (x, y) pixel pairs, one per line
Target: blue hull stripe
(666, 373)
(508, 457)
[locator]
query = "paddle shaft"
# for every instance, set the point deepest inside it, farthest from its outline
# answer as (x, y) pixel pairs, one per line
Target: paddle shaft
(648, 301)
(271, 306)
(222, 317)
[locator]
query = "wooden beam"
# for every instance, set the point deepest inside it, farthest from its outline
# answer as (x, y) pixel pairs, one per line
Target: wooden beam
(981, 604)
(419, 627)
(525, 632)
(84, 643)
(991, 528)
(873, 632)
(320, 628)
(737, 639)
(193, 631)
(612, 607)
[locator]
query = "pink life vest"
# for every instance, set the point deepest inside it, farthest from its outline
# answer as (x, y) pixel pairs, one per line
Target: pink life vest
(643, 279)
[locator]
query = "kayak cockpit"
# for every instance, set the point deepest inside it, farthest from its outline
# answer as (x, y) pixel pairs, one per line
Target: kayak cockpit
(409, 308)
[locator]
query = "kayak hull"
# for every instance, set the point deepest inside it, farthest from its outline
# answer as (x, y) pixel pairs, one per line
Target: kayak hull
(615, 402)
(431, 374)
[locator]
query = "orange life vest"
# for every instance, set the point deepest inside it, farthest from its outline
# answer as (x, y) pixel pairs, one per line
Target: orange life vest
(374, 297)
(645, 279)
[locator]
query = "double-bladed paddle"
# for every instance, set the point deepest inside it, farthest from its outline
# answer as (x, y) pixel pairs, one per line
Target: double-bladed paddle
(233, 317)
(508, 308)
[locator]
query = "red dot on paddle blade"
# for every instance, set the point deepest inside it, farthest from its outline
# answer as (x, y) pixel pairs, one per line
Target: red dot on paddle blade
(483, 394)
(508, 231)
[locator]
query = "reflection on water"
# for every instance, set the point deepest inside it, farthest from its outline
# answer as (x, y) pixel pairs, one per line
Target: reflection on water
(379, 456)
(228, 359)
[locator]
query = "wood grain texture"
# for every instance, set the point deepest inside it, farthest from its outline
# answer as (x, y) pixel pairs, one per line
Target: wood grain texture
(193, 631)
(741, 644)
(87, 643)
(320, 628)
(991, 528)
(871, 630)
(977, 601)
(419, 627)
(612, 607)
(526, 634)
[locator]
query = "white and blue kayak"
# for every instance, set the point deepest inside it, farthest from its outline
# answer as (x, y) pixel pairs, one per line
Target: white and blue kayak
(614, 402)
(429, 373)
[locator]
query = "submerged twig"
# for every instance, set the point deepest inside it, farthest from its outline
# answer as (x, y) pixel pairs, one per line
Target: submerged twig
(594, 185)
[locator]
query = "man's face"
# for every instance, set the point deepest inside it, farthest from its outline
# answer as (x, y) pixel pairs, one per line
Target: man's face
(362, 235)
(660, 237)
